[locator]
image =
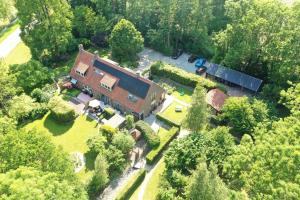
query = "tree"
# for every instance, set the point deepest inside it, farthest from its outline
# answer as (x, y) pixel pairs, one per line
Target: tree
(33, 148)
(123, 142)
(249, 44)
(291, 98)
(86, 23)
(8, 85)
(243, 114)
(7, 9)
(26, 183)
(61, 111)
(129, 121)
(206, 184)
(30, 75)
(46, 27)
(108, 132)
(125, 41)
(116, 161)
(97, 144)
(20, 107)
(100, 177)
(6, 125)
(268, 167)
(197, 114)
(40, 95)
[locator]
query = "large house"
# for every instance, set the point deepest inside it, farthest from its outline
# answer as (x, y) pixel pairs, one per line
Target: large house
(123, 89)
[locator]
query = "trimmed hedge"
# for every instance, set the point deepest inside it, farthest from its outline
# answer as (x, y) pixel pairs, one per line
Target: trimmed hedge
(154, 154)
(61, 111)
(132, 185)
(149, 135)
(180, 76)
(167, 121)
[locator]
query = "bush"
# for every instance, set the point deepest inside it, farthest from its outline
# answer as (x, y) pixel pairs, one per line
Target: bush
(149, 135)
(180, 76)
(108, 113)
(154, 154)
(61, 111)
(129, 121)
(108, 132)
(132, 185)
(167, 121)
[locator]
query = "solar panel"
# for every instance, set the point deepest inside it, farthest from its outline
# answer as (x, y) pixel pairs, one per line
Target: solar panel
(133, 85)
(235, 77)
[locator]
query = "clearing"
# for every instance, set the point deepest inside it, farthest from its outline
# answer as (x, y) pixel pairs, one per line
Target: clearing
(174, 116)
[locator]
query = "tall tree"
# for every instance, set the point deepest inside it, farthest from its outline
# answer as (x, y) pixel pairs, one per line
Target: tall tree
(262, 39)
(46, 27)
(33, 149)
(27, 183)
(8, 85)
(126, 41)
(6, 9)
(30, 75)
(197, 114)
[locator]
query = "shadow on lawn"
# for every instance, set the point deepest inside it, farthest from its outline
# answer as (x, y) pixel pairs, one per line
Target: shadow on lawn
(56, 128)
(90, 158)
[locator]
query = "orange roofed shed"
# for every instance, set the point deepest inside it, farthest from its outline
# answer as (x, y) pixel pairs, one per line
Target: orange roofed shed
(216, 99)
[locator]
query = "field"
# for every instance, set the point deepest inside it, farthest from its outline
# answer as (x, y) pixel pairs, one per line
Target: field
(19, 55)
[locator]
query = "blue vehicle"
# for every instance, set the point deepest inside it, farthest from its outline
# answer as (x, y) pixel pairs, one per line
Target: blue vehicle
(200, 62)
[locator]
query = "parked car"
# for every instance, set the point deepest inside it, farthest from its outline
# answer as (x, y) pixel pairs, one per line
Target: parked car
(177, 53)
(200, 70)
(200, 62)
(193, 58)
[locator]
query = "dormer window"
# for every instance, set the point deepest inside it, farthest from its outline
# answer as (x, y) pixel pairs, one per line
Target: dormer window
(108, 82)
(132, 98)
(81, 69)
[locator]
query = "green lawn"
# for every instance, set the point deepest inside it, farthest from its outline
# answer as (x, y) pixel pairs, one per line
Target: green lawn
(183, 94)
(19, 55)
(69, 93)
(72, 137)
(152, 187)
(8, 31)
(174, 116)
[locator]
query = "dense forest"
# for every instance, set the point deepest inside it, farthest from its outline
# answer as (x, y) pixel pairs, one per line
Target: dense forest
(251, 152)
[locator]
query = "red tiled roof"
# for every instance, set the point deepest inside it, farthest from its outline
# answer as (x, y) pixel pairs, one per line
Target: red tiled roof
(216, 98)
(93, 79)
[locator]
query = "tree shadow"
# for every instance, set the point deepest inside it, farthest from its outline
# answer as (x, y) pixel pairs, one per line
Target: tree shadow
(56, 128)
(90, 158)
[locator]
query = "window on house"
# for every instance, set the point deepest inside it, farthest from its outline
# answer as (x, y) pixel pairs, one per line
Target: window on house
(80, 73)
(105, 86)
(132, 98)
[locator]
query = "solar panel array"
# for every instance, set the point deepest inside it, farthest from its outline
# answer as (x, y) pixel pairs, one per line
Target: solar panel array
(234, 76)
(132, 84)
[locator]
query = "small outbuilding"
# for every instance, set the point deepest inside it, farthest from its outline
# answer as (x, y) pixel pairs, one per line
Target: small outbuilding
(216, 99)
(136, 134)
(115, 121)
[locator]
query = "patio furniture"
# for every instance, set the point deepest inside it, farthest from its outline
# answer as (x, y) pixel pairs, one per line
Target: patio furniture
(94, 103)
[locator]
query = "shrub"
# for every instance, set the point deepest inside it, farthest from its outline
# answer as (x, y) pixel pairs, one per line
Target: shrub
(40, 95)
(154, 154)
(124, 142)
(108, 132)
(180, 76)
(61, 111)
(132, 185)
(129, 121)
(149, 135)
(108, 113)
(167, 121)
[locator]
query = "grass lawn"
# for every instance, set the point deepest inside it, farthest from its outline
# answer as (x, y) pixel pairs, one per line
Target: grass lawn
(171, 114)
(19, 55)
(69, 93)
(152, 187)
(72, 137)
(8, 31)
(183, 94)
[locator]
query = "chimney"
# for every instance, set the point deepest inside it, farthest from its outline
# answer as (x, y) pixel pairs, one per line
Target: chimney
(96, 55)
(80, 47)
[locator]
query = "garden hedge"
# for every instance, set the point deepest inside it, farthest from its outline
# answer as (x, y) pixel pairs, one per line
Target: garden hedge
(61, 111)
(132, 185)
(180, 76)
(154, 154)
(147, 132)
(167, 121)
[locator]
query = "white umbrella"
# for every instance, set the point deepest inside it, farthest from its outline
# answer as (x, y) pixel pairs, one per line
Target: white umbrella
(94, 103)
